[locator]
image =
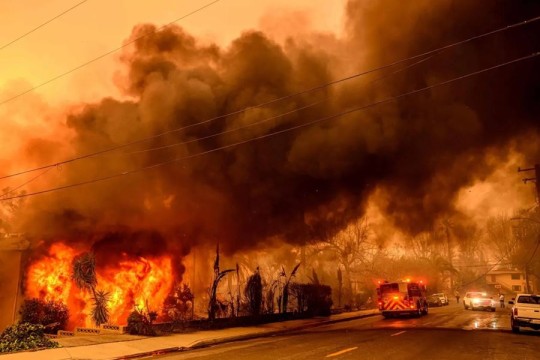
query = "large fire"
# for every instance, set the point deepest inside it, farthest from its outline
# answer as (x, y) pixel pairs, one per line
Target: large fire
(141, 283)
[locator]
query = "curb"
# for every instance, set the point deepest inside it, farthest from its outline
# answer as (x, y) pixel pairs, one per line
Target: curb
(211, 342)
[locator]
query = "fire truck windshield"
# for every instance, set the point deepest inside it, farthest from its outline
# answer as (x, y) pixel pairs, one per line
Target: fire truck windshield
(389, 288)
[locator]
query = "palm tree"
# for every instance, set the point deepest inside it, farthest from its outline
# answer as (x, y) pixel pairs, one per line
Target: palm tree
(84, 271)
(285, 290)
(84, 275)
(100, 313)
(218, 275)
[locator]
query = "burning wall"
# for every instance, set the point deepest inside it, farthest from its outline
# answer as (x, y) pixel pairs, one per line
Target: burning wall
(131, 282)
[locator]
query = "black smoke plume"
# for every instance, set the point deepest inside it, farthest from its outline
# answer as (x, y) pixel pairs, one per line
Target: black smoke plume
(306, 184)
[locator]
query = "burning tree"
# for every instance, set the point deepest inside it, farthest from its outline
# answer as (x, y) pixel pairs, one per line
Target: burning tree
(8, 208)
(218, 275)
(352, 249)
(84, 275)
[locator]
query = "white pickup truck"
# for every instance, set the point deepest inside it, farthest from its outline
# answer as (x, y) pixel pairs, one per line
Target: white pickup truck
(525, 312)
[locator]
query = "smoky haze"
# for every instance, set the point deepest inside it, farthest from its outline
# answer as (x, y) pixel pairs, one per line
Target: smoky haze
(307, 184)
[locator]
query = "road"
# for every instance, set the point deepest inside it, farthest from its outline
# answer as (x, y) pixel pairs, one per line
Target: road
(448, 332)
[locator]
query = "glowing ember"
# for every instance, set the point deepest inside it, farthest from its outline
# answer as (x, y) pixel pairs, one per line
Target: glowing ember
(142, 283)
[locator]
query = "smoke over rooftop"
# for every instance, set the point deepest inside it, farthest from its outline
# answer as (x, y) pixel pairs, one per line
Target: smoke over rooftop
(417, 153)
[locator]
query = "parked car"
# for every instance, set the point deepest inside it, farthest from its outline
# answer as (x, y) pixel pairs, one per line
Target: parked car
(478, 300)
(525, 312)
(443, 298)
(434, 300)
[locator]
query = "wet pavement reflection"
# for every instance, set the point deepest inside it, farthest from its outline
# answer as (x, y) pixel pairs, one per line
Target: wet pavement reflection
(452, 317)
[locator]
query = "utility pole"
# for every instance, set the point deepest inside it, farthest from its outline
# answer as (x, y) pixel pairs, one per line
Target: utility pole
(447, 226)
(534, 179)
(536, 170)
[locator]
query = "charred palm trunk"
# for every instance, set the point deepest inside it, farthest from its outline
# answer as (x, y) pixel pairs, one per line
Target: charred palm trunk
(218, 275)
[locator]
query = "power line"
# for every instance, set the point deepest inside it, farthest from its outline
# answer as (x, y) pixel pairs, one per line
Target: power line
(498, 263)
(42, 25)
(266, 119)
(237, 128)
(227, 131)
(316, 88)
(338, 115)
(105, 54)
(11, 191)
(237, 112)
(481, 265)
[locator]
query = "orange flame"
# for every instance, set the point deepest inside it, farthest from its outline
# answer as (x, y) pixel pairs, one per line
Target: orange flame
(50, 279)
(141, 283)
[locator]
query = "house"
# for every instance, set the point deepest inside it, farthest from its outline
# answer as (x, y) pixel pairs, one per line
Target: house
(509, 281)
(12, 247)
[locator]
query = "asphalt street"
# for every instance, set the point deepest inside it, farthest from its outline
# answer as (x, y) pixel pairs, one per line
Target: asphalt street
(448, 332)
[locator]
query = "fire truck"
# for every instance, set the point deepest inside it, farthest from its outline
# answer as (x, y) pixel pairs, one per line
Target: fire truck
(402, 298)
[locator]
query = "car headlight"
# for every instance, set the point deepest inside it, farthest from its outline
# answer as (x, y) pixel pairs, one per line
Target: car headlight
(475, 301)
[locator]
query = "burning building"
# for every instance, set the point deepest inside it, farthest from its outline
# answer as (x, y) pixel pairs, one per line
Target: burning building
(227, 170)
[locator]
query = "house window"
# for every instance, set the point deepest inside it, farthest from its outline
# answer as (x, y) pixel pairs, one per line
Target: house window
(516, 276)
(516, 287)
(493, 278)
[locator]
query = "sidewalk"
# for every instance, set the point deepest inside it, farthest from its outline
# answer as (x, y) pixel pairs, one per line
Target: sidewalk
(128, 346)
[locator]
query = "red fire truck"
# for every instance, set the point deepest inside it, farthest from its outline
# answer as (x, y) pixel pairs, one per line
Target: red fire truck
(402, 298)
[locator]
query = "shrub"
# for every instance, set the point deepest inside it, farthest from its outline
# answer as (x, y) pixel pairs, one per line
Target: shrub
(53, 315)
(178, 306)
(25, 336)
(253, 292)
(140, 323)
(313, 299)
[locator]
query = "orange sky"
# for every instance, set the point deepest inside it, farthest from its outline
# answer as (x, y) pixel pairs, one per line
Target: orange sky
(98, 26)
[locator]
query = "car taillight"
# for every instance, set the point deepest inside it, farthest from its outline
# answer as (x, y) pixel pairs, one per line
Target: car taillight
(515, 311)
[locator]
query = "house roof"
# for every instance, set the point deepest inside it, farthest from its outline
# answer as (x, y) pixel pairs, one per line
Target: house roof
(502, 272)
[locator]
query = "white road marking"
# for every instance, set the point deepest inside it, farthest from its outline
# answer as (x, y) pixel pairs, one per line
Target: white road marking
(399, 333)
(341, 352)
